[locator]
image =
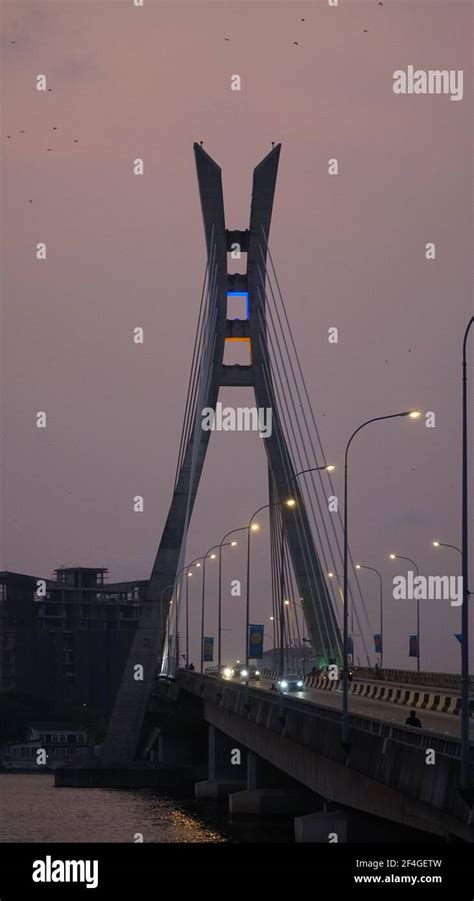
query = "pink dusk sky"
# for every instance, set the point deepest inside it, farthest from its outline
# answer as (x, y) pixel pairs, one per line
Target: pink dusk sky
(126, 251)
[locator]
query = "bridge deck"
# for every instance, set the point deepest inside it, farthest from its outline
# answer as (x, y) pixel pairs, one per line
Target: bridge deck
(431, 721)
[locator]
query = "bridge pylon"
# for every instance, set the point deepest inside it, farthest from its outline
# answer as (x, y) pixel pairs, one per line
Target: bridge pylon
(123, 739)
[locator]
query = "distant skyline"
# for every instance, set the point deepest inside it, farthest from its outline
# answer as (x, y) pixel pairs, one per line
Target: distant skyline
(126, 251)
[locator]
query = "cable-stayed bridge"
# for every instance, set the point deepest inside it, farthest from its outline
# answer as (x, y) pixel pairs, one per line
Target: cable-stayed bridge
(306, 539)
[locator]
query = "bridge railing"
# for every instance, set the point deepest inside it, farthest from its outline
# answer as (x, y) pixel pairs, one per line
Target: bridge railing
(240, 700)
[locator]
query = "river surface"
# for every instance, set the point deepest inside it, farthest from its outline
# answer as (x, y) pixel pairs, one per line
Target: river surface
(33, 810)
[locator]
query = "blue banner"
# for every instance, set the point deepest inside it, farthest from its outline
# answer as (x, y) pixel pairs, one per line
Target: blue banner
(378, 643)
(255, 648)
(350, 645)
(208, 649)
(413, 646)
(459, 637)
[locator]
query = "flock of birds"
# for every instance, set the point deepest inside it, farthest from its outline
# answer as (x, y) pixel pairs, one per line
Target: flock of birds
(55, 127)
(296, 43)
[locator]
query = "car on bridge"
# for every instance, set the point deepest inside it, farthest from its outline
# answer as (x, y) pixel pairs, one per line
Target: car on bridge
(244, 674)
(290, 683)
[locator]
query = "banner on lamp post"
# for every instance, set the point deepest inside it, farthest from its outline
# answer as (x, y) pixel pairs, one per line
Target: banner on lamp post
(208, 649)
(255, 641)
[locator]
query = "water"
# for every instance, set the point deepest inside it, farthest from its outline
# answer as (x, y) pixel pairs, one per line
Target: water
(33, 810)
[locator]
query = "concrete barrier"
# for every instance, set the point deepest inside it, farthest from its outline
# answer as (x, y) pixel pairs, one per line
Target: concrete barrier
(448, 681)
(422, 698)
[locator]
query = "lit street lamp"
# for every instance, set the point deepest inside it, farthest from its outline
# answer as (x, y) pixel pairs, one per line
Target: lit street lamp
(219, 613)
(443, 544)
(212, 556)
(374, 570)
(400, 557)
(414, 414)
(254, 527)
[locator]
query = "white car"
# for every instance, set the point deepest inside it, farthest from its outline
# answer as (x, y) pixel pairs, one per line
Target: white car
(290, 683)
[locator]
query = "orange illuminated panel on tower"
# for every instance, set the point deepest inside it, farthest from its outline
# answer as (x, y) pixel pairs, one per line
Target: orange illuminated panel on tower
(237, 351)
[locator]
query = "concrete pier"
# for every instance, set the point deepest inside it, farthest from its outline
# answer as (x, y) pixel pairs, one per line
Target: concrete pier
(227, 768)
(269, 792)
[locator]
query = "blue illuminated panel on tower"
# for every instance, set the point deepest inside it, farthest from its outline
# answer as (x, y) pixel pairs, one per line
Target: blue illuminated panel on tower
(241, 294)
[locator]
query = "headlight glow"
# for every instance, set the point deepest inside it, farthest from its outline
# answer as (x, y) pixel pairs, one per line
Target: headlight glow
(257, 672)
(228, 673)
(284, 684)
(244, 673)
(299, 684)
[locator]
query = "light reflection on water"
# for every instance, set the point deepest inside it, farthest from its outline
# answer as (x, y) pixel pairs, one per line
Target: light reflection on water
(33, 810)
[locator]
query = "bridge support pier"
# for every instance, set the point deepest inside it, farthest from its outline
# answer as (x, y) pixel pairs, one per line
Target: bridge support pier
(269, 792)
(324, 826)
(227, 761)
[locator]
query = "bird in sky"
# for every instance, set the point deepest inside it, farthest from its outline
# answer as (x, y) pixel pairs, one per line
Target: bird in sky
(76, 141)
(302, 20)
(21, 131)
(365, 30)
(226, 39)
(273, 143)
(296, 43)
(49, 148)
(380, 3)
(55, 127)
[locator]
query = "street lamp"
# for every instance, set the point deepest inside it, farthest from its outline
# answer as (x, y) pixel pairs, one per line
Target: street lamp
(172, 585)
(212, 557)
(443, 544)
(196, 562)
(374, 570)
(332, 575)
(399, 557)
(219, 614)
(294, 603)
(465, 713)
(413, 414)
(254, 527)
(328, 467)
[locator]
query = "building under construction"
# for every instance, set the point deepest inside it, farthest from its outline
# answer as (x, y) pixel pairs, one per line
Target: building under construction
(67, 641)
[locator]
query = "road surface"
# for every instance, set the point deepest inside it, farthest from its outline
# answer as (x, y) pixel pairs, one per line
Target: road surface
(431, 721)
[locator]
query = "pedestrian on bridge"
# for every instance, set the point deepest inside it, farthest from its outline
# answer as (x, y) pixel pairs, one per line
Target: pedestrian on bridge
(413, 720)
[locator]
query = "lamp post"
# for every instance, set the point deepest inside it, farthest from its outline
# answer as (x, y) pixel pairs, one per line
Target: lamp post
(222, 544)
(197, 562)
(213, 557)
(443, 544)
(374, 570)
(188, 576)
(345, 682)
(172, 585)
(399, 557)
(327, 467)
(254, 527)
(332, 575)
(465, 750)
(303, 639)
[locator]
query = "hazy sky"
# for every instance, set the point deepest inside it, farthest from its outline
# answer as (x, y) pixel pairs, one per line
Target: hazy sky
(126, 251)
